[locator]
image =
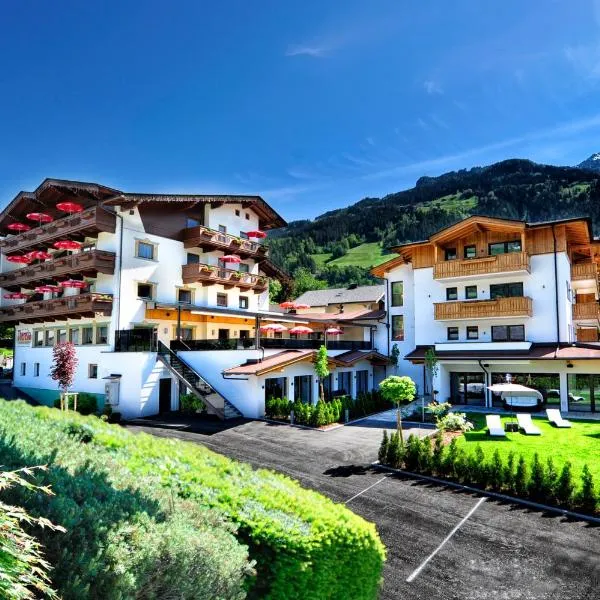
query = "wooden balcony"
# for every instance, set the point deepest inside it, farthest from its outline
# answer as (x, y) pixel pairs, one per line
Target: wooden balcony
(483, 309)
(59, 309)
(88, 264)
(487, 265)
(228, 278)
(580, 271)
(88, 223)
(209, 239)
(587, 334)
(586, 311)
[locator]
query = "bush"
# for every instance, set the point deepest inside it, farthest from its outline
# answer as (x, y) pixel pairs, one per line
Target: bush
(383, 448)
(564, 486)
(190, 403)
(396, 451)
(438, 410)
(87, 404)
(586, 498)
(454, 422)
(121, 494)
(278, 408)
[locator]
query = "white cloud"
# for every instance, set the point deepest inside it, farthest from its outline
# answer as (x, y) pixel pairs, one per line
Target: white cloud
(304, 50)
(370, 141)
(585, 58)
(432, 87)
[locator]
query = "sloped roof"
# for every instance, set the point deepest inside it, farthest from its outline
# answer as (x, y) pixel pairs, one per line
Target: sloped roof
(353, 356)
(363, 293)
(271, 363)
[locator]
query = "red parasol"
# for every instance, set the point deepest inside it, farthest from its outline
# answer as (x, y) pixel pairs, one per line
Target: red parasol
(40, 217)
(287, 304)
(16, 296)
(333, 331)
(301, 306)
(21, 259)
(256, 234)
(48, 289)
(67, 245)
(70, 207)
(301, 329)
(18, 227)
(230, 258)
(73, 283)
(38, 255)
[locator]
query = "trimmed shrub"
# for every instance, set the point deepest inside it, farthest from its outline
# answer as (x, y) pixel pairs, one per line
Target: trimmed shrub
(383, 448)
(437, 457)
(190, 403)
(87, 404)
(278, 408)
(586, 498)
(521, 478)
(412, 454)
(509, 472)
(396, 452)
(496, 472)
(454, 422)
(121, 493)
(551, 480)
(564, 486)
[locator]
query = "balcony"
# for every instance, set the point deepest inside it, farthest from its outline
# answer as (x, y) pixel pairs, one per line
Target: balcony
(483, 309)
(88, 264)
(512, 262)
(269, 343)
(209, 239)
(586, 311)
(583, 271)
(59, 309)
(88, 223)
(228, 278)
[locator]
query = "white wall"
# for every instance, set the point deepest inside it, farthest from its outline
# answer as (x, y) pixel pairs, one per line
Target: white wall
(225, 215)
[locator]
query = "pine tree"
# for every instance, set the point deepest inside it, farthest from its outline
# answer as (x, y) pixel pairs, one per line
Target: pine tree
(536, 484)
(586, 498)
(496, 471)
(551, 481)
(509, 472)
(383, 448)
(564, 486)
(437, 459)
(521, 478)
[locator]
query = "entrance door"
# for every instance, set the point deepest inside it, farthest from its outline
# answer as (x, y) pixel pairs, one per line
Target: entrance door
(468, 388)
(164, 395)
(223, 334)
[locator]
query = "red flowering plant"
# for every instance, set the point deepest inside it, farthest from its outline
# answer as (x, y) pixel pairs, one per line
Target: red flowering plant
(64, 365)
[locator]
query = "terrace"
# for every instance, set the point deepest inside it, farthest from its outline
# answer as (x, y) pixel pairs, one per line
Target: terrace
(520, 306)
(208, 239)
(209, 275)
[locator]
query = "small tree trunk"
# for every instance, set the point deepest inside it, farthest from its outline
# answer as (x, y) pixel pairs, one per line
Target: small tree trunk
(322, 390)
(399, 424)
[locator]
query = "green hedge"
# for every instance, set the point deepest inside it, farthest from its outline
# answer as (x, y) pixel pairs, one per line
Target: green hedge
(119, 484)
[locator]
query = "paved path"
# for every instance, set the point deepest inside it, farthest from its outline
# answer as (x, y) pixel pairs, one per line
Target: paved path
(441, 543)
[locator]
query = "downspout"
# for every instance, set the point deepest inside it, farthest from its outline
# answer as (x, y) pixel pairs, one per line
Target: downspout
(487, 380)
(387, 315)
(556, 291)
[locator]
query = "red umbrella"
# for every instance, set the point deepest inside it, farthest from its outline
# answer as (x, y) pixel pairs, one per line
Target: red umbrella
(300, 329)
(48, 288)
(287, 304)
(38, 255)
(267, 328)
(333, 331)
(69, 207)
(40, 217)
(18, 227)
(230, 258)
(73, 283)
(301, 306)
(19, 258)
(279, 327)
(67, 245)
(16, 296)
(256, 234)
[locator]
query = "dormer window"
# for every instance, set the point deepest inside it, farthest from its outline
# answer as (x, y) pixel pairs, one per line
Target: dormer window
(450, 254)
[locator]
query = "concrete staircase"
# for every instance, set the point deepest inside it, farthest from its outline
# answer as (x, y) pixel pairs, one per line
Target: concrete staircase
(215, 403)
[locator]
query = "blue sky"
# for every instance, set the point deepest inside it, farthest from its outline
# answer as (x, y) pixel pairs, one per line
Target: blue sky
(312, 104)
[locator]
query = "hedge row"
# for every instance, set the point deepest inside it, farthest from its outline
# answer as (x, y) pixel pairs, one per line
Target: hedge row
(135, 494)
(534, 480)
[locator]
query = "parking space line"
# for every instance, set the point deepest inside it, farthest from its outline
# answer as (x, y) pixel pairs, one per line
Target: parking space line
(366, 489)
(416, 572)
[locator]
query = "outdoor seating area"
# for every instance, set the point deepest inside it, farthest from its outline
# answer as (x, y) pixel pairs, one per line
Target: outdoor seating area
(524, 423)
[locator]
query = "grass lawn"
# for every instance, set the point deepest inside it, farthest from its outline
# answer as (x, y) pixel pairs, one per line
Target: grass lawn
(321, 259)
(365, 255)
(580, 444)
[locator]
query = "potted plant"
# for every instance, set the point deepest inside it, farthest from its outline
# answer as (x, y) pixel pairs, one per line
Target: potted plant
(236, 275)
(207, 268)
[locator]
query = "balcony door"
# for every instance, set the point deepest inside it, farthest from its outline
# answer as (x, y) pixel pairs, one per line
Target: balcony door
(467, 388)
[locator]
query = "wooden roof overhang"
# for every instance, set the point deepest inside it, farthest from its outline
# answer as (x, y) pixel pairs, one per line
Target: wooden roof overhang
(473, 225)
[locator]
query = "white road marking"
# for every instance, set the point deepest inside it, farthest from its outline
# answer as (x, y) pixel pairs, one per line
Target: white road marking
(366, 489)
(416, 572)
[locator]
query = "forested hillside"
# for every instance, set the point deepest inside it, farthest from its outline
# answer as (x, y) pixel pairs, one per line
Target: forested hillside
(338, 247)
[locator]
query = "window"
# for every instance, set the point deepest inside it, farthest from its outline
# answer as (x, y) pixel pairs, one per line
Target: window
(38, 338)
(145, 250)
(92, 371)
(504, 247)
(471, 292)
(452, 293)
(144, 290)
(222, 229)
(87, 335)
(74, 335)
(36, 369)
(192, 259)
(345, 382)
(184, 296)
(398, 293)
(187, 333)
(23, 369)
(508, 333)
(472, 332)
(237, 212)
(450, 254)
(221, 299)
(244, 235)
(471, 251)
(398, 328)
(247, 216)
(452, 334)
(50, 337)
(243, 301)
(362, 381)
(506, 290)
(102, 334)
(244, 268)
(62, 336)
(191, 222)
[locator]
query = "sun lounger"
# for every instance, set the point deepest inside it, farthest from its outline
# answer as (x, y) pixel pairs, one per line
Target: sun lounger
(527, 426)
(555, 417)
(494, 425)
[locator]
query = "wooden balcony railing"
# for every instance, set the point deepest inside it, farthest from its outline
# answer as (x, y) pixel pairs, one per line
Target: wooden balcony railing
(88, 264)
(487, 265)
(71, 307)
(587, 334)
(586, 311)
(584, 271)
(209, 239)
(209, 275)
(483, 309)
(90, 222)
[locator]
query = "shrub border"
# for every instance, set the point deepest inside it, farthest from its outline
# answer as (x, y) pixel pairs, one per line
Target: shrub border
(505, 497)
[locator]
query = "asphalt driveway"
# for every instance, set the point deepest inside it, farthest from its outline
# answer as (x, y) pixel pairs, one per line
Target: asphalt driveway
(441, 543)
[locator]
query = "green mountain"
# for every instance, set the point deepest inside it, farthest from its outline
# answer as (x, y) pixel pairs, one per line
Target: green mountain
(338, 247)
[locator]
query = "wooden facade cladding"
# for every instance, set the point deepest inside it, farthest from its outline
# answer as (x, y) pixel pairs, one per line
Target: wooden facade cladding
(88, 223)
(59, 309)
(500, 263)
(228, 278)
(581, 271)
(586, 311)
(483, 309)
(209, 239)
(587, 334)
(88, 264)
